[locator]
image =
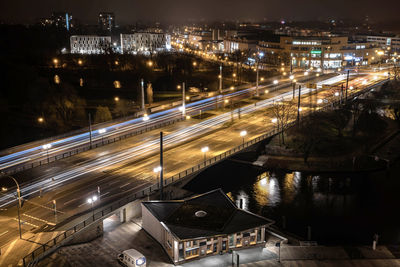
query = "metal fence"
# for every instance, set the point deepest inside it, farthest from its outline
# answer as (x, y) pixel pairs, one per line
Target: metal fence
(85, 147)
(65, 236)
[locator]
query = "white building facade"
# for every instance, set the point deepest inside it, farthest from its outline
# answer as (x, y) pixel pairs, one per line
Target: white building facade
(145, 42)
(89, 44)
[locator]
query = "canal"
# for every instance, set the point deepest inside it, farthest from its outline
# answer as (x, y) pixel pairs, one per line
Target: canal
(340, 208)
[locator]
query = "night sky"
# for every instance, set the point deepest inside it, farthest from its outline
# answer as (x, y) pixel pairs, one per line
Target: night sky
(129, 11)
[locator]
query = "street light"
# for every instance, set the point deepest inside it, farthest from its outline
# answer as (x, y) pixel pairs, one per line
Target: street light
(40, 119)
(243, 134)
(260, 55)
(145, 119)
(91, 201)
(205, 150)
(47, 147)
(4, 189)
(101, 131)
(116, 99)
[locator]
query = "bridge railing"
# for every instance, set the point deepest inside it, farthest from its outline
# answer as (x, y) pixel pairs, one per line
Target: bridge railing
(51, 245)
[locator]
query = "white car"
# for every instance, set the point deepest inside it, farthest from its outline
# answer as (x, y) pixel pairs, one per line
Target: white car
(132, 258)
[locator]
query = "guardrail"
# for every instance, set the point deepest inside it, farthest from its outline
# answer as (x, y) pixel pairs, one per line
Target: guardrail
(64, 237)
(85, 147)
(42, 160)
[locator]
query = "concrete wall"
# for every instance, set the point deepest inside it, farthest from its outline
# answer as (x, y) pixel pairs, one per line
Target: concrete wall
(152, 225)
(91, 232)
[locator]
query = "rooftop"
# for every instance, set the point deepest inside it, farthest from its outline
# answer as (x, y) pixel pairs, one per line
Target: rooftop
(208, 214)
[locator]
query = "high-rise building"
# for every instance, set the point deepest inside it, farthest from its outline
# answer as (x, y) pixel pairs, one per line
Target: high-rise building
(62, 19)
(107, 21)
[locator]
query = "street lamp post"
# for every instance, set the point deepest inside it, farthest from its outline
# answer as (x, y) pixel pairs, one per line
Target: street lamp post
(101, 131)
(145, 119)
(90, 131)
(183, 100)
(243, 134)
(142, 93)
(347, 83)
(4, 189)
(91, 201)
(47, 147)
(276, 84)
(205, 150)
(220, 79)
(260, 55)
(298, 105)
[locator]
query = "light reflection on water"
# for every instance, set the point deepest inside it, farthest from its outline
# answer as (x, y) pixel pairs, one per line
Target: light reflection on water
(340, 208)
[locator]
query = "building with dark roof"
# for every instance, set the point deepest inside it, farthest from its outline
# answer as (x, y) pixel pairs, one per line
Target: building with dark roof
(202, 225)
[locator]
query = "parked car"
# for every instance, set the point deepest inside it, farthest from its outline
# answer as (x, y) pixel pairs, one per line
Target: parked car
(132, 258)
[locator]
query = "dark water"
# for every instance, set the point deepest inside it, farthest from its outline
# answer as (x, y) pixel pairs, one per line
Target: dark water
(340, 208)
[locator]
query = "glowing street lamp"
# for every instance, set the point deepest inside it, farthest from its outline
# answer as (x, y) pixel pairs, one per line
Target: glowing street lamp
(243, 134)
(145, 119)
(116, 99)
(47, 147)
(205, 150)
(40, 119)
(91, 201)
(101, 131)
(18, 196)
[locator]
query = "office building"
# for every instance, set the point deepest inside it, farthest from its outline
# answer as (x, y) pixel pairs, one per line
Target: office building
(142, 42)
(90, 44)
(107, 21)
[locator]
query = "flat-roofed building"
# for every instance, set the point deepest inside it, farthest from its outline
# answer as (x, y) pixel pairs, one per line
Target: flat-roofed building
(90, 44)
(203, 225)
(142, 42)
(321, 51)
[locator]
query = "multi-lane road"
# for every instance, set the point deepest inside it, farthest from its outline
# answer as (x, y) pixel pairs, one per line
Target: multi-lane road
(111, 168)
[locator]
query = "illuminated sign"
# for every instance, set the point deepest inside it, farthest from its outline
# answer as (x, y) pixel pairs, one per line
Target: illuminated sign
(316, 52)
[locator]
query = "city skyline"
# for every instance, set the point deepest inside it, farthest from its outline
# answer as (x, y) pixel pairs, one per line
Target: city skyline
(23, 11)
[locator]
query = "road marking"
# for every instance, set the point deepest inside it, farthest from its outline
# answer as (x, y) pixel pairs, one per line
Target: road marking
(4, 233)
(42, 206)
(84, 203)
(113, 182)
(25, 222)
(125, 185)
(104, 194)
(69, 201)
(38, 219)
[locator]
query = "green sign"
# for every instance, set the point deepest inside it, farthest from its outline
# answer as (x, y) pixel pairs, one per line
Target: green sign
(316, 52)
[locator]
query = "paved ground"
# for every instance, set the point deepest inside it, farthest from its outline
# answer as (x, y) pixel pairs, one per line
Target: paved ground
(119, 237)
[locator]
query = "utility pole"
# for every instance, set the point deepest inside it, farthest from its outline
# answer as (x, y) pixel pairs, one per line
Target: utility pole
(183, 100)
(257, 75)
(220, 79)
(347, 83)
(142, 95)
(162, 166)
(298, 106)
(90, 131)
(294, 89)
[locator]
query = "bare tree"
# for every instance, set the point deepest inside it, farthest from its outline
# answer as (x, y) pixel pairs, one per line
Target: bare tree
(102, 114)
(284, 112)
